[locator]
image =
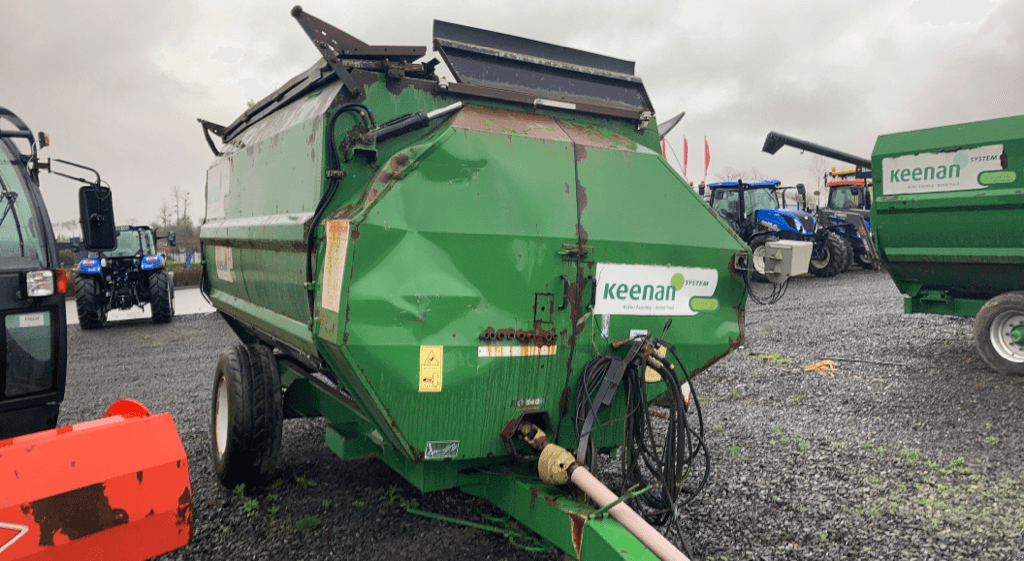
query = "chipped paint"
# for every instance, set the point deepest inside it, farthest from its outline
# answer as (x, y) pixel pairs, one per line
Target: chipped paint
(75, 514)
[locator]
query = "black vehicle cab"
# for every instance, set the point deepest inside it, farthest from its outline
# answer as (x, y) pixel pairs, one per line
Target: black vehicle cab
(33, 324)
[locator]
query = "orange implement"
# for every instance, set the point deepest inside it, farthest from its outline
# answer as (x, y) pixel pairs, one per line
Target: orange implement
(115, 489)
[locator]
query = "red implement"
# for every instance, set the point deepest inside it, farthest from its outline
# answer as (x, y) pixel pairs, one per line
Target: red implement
(115, 489)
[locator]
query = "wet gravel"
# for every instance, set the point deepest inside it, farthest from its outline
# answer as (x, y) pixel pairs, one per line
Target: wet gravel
(908, 450)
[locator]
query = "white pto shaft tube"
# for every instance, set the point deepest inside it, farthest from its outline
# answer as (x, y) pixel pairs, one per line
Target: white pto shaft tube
(557, 467)
(626, 516)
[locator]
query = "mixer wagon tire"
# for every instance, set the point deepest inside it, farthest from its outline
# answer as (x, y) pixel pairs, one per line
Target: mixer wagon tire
(161, 296)
(88, 300)
(999, 333)
(246, 415)
(757, 251)
(828, 260)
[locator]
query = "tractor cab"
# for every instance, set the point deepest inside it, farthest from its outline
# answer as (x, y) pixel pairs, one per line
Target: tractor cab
(848, 192)
(849, 195)
(753, 207)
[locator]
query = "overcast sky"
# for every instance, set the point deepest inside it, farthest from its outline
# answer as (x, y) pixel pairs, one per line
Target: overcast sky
(118, 85)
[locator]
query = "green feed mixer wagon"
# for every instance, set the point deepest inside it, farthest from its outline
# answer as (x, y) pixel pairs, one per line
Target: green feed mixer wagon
(478, 268)
(948, 221)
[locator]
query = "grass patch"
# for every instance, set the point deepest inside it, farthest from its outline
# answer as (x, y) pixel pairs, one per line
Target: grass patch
(308, 522)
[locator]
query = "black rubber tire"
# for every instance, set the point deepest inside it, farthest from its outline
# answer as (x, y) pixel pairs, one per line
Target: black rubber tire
(161, 303)
(847, 253)
(831, 262)
(246, 438)
(89, 301)
(864, 261)
(991, 333)
(757, 257)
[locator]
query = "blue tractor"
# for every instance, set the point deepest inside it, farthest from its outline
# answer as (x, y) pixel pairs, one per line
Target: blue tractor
(752, 209)
(132, 274)
(849, 204)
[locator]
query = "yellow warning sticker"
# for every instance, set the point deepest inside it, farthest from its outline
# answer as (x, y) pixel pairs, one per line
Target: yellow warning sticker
(431, 365)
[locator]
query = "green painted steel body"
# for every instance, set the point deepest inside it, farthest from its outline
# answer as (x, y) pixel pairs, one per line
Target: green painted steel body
(951, 250)
(498, 217)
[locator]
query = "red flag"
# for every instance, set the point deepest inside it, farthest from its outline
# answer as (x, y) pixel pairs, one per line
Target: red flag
(663, 153)
(686, 154)
(707, 157)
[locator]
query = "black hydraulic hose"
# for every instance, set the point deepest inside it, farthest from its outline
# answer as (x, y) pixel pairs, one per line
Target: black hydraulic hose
(332, 187)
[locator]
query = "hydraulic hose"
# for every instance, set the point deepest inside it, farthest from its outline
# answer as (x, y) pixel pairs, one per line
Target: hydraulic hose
(332, 187)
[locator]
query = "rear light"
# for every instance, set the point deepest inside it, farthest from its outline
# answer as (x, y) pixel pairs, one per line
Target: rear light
(63, 280)
(40, 283)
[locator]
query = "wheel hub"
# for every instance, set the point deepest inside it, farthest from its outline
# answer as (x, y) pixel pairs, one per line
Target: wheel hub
(1007, 335)
(1017, 335)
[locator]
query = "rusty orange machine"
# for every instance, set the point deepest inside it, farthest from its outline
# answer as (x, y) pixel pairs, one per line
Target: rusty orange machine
(116, 488)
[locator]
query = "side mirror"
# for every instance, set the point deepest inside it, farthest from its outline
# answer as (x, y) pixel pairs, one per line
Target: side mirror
(171, 238)
(800, 189)
(76, 244)
(96, 209)
(700, 189)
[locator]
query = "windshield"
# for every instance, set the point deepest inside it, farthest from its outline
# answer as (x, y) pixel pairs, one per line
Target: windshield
(21, 244)
(755, 199)
(129, 244)
(846, 197)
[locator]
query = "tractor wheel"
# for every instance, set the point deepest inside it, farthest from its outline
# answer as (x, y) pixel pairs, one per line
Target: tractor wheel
(757, 251)
(89, 300)
(999, 333)
(864, 261)
(161, 296)
(246, 416)
(847, 253)
(827, 260)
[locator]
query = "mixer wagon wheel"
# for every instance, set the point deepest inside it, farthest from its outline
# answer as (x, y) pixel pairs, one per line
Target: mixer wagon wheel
(828, 259)
(246, 415)
(999, 333)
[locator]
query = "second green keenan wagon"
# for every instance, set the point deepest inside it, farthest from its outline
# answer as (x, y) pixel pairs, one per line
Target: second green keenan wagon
(476, 267)
(947, 215)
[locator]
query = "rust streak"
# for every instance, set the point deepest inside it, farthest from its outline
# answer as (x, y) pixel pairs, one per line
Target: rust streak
(577, 532)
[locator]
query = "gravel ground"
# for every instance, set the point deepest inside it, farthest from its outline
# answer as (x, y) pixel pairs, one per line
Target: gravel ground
(907, 451)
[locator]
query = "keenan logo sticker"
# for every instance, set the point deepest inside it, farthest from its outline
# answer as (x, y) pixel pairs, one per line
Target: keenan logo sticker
(936, 172)
(651, 290)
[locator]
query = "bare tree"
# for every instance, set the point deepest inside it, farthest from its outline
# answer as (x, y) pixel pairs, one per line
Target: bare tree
(164, 216)
(818, 167)
(66, 230)
(730, 174)
(755, 175)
